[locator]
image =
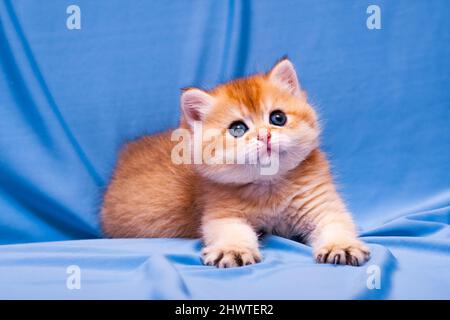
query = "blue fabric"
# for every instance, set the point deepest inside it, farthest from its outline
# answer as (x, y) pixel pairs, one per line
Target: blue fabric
(70, 98)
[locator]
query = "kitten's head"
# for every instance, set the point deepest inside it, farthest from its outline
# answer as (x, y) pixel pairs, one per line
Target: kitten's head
(252, 124)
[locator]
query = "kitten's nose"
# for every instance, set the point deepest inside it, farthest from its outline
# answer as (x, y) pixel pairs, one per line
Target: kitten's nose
(264, 136)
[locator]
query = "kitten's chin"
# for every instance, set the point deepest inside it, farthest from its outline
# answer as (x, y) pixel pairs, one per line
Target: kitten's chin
(266, 170)
(230, 173)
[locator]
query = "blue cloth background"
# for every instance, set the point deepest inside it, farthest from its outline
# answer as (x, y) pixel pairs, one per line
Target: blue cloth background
(70, 98)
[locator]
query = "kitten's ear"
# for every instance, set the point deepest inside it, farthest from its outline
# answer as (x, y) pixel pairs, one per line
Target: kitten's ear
(195, 103)
(283, 74)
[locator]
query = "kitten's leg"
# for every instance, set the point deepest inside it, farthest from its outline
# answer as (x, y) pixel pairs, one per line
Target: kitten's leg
(229, 242)
(328, 227)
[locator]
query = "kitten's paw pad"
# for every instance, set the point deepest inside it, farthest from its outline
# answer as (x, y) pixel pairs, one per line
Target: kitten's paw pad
(355, 253)
(223, 257)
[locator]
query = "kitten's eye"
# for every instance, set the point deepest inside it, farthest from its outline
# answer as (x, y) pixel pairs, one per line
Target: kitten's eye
(278, 118)
(237, 129)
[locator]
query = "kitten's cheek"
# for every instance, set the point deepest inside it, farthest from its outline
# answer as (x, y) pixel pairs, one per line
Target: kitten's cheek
(282, 153)
(280, 147)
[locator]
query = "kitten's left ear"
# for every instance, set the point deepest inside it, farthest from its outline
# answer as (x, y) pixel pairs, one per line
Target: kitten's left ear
(283, 74)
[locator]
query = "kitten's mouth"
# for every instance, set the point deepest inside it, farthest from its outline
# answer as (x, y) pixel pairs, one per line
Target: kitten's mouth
(269, 143)
(267, 149)
(264, 149)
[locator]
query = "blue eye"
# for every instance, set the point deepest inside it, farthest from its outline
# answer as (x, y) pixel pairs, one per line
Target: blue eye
(238, 129)
(278, 118)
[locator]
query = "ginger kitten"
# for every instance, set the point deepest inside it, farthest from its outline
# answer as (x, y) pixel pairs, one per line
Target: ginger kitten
(262, 120)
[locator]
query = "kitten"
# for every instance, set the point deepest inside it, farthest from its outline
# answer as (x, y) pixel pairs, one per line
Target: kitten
(227, 204)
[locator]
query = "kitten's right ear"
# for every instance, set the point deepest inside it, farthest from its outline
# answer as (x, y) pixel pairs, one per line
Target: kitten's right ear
(195, 104)
(283, 74)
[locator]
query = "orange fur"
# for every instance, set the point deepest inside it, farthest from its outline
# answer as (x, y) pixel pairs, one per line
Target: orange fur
(227, 204)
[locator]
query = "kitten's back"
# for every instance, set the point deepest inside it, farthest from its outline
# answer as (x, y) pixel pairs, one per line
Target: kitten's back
(149, 195)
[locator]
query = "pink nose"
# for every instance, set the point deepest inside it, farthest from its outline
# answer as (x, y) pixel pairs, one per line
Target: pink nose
(262, 137)
(266, 138)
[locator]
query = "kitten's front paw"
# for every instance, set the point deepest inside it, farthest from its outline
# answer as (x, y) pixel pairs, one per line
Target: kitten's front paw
(227, 257)
(353, 253)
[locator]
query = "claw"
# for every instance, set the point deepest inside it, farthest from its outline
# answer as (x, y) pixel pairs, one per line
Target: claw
(337, 259)
(238, 260)
(216, 262)
(319, 258)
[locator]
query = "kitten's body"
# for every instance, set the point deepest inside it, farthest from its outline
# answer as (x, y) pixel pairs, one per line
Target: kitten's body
(149, 196)
(227, 205)
(154, 198)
